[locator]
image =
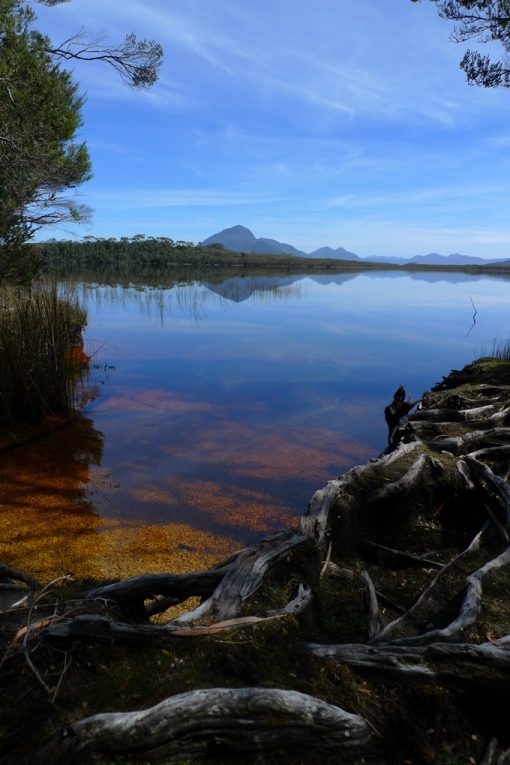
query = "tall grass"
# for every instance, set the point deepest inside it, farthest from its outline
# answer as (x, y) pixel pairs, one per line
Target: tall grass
(500, 350)
(38, 371)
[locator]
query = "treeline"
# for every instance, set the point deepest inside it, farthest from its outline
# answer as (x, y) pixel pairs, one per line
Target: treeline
(161, 251)
(151, 250)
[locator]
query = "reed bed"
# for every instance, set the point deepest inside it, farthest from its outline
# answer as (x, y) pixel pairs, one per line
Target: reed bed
(39, 372)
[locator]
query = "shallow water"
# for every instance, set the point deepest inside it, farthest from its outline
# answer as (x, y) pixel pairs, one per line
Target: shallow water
(219, 408)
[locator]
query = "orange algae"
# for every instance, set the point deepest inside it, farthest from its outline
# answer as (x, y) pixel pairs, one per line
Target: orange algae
(48, 527)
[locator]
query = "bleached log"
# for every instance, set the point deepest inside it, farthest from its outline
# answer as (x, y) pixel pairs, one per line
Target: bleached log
(402, 485)
(315, 523)
(130, 596)
(387, 634)
(244, 576)
(492, 452)
(481, 438)
(373, 615)
(469, 610)
(463, 470)
(481, 667)
(499, 484)
(215, 720)
(297, 605)
(490, 422)
(98, 630)
(438, 415)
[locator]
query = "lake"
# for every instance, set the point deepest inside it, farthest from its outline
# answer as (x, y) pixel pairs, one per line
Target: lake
(221, 404)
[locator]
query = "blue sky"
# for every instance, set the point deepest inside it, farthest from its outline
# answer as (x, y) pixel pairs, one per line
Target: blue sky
(346, 124)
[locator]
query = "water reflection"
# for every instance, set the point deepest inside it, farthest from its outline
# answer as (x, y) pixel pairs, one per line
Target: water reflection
(224, 403)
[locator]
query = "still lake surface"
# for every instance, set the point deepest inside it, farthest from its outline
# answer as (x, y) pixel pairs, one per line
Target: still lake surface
(239, 399)
(220, 408)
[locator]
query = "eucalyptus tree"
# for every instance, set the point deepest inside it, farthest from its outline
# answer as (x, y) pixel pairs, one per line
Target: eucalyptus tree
(40, 113)
(41, 162)
(486, 21)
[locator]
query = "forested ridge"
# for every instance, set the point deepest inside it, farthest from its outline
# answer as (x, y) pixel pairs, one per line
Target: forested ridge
(164, 251)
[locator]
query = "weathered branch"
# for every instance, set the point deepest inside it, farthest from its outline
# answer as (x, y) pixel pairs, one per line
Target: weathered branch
(480, 667)
(217, 719)
(130, 595)
(387, 634)
(244, 576)
(403, 484)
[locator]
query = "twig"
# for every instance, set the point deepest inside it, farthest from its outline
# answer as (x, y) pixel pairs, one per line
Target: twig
(474, 316)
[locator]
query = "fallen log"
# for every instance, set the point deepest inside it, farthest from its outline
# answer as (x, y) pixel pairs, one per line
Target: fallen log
(245, 575)
(130, 596)
(404, 484)
(422, 608)
(93, 629)
(215, 720)
(477, 667)
(476, 438)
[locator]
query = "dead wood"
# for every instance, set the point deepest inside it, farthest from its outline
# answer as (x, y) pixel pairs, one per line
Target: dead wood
(244, 576)
(424, 607)
(130, 596)
(499, 484)
(480, 667)
(374, 620)
(349, 545)
(404, 484)
(447, 415)
(476, 438)
(215, 720)
(389, 556)
(13, 575)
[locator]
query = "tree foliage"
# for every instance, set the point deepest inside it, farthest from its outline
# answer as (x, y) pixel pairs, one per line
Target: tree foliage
(41, 162)
(136, 61)
(40, 113)
(485, 21)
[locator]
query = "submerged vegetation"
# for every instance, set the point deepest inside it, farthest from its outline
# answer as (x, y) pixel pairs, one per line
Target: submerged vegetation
(40, 335)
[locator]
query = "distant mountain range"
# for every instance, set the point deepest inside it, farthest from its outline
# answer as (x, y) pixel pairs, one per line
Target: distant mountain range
(241, 239)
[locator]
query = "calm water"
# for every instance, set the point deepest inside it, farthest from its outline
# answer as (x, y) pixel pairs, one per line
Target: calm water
(231, 403)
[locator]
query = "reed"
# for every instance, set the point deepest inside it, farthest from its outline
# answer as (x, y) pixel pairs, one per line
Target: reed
(39, 372)
(501, 349)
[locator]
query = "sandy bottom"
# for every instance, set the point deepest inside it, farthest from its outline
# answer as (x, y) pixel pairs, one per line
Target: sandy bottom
(49, 528)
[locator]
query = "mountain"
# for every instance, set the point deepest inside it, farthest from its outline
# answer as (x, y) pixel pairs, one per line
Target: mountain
(338, 254)
(434, 259)
(281, 247)
(241, 239)
(388, 259)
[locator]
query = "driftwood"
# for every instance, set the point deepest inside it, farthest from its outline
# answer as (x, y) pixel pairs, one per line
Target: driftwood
(207, 721)
(354, 538)
(484, 667)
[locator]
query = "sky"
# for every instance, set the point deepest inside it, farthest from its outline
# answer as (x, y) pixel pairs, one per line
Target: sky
(342, 124)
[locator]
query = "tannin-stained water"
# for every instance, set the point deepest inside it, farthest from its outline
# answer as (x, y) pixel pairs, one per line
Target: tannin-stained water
(220, 407)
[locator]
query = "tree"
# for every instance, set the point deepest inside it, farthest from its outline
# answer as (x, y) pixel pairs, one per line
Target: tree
(485, 21)
(40, 112)
(137, 62)
(41, 164)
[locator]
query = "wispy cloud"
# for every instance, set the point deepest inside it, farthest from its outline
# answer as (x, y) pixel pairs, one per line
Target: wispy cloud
(348, 124)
